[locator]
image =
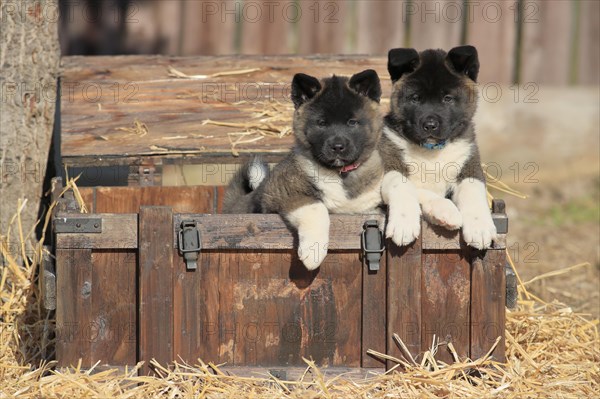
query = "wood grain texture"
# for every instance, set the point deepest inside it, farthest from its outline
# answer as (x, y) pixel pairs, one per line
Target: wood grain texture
(119, 231)
(113, 312)
(174, 109)
(73, 307)
(265, 309)
(492, 28)
(374, 313)
(193, 199)
(488, 298)
(445, 297)
(155, 276)
(435, 24)
(269, 232)
(379, 26)
(404, 298)
(546, 26)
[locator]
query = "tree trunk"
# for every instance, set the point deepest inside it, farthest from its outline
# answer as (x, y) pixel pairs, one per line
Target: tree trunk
(29, 68)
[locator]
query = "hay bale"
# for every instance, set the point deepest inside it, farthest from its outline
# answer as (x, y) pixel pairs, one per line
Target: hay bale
(551, 350)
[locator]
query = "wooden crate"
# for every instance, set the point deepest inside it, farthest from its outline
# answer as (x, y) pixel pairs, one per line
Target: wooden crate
(124, 293)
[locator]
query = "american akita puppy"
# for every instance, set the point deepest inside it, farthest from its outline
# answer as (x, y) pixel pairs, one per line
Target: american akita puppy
(429, 147)
(334, 166)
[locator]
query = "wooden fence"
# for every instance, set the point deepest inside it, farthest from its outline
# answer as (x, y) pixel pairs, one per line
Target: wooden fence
(542, 41)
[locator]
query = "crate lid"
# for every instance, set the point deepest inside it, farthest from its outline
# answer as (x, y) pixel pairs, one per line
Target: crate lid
(119, 110)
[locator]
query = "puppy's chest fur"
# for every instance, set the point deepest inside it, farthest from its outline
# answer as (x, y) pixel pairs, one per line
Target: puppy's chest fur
(358, 192)
(434, 170)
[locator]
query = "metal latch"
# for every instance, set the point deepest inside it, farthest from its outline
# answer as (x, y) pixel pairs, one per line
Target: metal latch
(512, 291)
(190, 243)
(499, 216)
(48, 283)
(373, 243)
(77, 225)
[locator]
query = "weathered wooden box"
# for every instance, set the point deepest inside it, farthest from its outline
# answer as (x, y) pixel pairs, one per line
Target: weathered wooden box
(125, 293)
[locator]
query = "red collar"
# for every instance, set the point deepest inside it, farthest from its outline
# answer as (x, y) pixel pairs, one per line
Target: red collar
(349, 168)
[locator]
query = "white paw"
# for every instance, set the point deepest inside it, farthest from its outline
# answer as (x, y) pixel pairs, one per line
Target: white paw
(442, 212)
(404, 221)
(478, 230)
(312, 251)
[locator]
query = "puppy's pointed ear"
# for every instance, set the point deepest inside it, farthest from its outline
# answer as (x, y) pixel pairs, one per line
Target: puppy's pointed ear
(465, 61)
(401, 61)
(366, 83)
(304, 87)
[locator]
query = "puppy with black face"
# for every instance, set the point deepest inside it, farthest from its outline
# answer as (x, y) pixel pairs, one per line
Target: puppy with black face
(334, 166)
(429, 147)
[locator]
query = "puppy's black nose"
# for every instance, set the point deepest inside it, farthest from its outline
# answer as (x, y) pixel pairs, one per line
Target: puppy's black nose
(431, 125)
(338, 147)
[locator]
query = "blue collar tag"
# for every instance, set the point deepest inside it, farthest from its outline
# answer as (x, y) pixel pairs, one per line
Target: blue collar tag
(436, 146)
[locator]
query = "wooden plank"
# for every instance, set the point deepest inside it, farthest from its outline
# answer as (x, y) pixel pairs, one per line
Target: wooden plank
(268, 231)
(373, 313)
(324, 27)
(118, 231)
(492, 28)
(209, 27)
(196, 308)
(196, 199)
(296, 373)
(102, 98)
(73, 307)
(403, 298)
(113, 326)
(379, 27)
(155, 286)
(250, 308)
(546, 27)
(588, 64)
(88, 194)
(435, 24)
(445, 297)
(266, 26)
(488, 298)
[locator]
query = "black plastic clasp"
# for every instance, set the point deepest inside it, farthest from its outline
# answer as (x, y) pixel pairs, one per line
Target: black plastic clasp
(190, 243)
(373, 244)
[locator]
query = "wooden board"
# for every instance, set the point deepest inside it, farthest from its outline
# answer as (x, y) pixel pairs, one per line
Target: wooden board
(73, 307)
(404, 291)
(155, 278)
(445, 302)
(488, 304)
(103, 94)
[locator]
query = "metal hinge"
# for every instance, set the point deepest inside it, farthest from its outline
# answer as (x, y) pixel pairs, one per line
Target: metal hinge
(512, 291)
(77, 225)
(146, 175)
(373, 244)
(190, 243)
(499, 216)
(48, 280)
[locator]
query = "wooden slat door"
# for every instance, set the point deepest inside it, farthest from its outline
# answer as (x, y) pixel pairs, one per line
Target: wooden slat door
(251, 302)
(98, 276)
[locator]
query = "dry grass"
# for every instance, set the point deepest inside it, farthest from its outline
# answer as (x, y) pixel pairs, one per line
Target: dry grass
(551, 351)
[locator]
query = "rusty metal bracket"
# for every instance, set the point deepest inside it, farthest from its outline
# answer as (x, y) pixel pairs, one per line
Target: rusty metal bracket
(77, 225)
(190, 243)
(373, 243)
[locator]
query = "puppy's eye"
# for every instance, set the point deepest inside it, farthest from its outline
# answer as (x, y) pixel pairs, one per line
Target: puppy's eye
(448, 99)
(415, 98)
(352, 122)
(321, 123)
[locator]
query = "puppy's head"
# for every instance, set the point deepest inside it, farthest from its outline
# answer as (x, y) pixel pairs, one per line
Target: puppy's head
(337, 119)
(434, 96)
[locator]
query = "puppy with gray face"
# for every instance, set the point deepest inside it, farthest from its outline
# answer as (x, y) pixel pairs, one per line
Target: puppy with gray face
(429, 147)
(334, 166)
